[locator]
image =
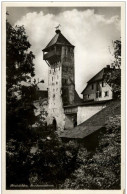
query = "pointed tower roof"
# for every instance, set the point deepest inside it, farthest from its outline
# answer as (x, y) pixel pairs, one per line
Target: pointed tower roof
(58, 39)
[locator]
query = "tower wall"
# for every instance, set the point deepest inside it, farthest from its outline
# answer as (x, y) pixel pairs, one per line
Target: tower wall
(59, 55)
(55, 104)
(68, 75)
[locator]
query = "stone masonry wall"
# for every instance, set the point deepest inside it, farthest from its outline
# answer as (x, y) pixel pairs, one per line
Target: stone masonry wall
(55, 104)
(68, 75)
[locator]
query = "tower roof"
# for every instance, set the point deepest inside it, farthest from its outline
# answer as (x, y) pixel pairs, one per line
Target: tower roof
(58, 39)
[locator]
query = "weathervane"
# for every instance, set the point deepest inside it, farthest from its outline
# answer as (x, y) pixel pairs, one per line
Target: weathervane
(57, 27)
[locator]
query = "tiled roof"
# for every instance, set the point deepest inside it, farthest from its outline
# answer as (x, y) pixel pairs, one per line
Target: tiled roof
(52, 42)
(94, 123)
(58, 39)
(88, 103)
(98, 76)
(77, 101)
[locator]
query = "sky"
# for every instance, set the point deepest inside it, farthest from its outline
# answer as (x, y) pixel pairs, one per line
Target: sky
(90, 29)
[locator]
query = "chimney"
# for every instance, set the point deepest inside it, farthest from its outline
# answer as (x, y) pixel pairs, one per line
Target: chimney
(108, 66)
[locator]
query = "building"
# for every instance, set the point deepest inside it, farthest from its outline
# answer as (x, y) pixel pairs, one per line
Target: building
(89, 130)
(65, 108)
(59, 55)
(97, 89)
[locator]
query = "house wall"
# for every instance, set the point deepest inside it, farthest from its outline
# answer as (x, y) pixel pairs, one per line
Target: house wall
(85, 112)
(69, 122)
(92, 92)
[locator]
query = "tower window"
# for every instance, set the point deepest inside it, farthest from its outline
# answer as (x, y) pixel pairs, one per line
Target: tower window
(99, 94)
(97, 86)
(106, 93)
(52, 78)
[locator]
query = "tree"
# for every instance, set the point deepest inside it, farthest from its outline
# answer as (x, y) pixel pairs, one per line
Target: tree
(19, 103)
(19, 69)
(55, 159)
(113, 77)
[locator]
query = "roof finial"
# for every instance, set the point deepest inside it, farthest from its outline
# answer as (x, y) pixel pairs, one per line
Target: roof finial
(57, 29)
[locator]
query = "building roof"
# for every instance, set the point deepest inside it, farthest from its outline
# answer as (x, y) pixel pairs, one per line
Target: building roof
(89, 103)
(58, 39)
(94, 123)
(77, 101)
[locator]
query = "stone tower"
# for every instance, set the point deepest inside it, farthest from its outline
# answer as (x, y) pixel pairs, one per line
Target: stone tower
(59, 55)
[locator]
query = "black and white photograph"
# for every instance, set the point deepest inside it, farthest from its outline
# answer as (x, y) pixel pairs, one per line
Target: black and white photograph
(63, 101)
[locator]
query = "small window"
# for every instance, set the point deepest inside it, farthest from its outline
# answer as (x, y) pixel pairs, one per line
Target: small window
(96, 94)
(99, 94)
(103, 84)
(88, 96)
(97, 86)
(52, 78)
(92, 86)
(50, 71)
(106, 93)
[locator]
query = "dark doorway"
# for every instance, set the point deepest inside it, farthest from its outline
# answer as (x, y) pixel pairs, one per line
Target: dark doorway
(54, 124)
(74, 119)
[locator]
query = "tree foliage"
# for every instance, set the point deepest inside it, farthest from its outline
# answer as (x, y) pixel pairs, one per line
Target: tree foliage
(19, 69)
(56, 160)
(113, 77)
(19, 102)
